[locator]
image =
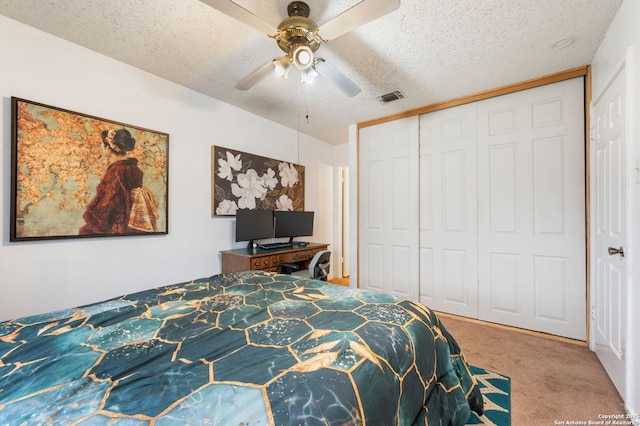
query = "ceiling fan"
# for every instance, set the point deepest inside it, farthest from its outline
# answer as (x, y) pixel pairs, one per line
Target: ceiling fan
(299, 37)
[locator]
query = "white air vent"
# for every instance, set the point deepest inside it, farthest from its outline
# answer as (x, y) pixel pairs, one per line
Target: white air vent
(390, 97)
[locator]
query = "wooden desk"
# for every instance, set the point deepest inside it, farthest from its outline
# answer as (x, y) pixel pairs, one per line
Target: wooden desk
(268, 260)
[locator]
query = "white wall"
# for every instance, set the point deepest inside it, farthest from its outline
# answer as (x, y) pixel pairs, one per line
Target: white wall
(37, 277)
(623, 41)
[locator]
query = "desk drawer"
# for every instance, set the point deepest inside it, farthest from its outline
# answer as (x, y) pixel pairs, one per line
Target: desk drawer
(298, 256)
(264, 262)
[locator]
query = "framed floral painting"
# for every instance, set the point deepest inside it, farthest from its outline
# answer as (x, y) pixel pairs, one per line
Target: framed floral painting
(75, 175)
(240, 180)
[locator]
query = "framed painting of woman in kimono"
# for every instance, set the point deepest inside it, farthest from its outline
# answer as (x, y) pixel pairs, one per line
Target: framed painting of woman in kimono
(75, 175)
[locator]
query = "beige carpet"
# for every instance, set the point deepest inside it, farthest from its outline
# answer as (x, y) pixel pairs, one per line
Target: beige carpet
(552, 380)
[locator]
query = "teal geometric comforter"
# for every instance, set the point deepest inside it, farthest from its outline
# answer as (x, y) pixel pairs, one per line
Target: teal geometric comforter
(248, 348)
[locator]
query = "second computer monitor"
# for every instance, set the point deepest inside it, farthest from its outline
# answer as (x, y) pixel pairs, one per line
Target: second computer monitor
(293, 224)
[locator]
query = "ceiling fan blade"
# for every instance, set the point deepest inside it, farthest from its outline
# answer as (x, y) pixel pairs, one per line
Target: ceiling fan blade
(256, 76)
(359, 14)
(241, 14)
(340, 80)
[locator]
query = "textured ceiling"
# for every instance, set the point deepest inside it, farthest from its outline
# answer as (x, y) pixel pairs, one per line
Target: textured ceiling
(431, 50)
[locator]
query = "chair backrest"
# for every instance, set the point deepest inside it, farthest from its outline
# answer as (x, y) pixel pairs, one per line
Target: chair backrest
(320, 264)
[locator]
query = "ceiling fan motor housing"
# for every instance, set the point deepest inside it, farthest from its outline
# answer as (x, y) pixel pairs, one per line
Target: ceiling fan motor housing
(298, 35)
(297, 30)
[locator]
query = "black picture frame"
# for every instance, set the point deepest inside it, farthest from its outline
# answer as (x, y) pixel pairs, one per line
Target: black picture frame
(75, 175)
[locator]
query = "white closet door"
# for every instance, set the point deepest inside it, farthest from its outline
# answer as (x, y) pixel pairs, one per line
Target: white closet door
(388, 208)
(448, 211)
(531, 209)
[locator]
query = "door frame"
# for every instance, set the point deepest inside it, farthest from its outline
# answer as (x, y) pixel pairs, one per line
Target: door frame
(342, 249)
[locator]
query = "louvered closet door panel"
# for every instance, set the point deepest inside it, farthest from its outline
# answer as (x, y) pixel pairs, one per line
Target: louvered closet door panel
(388, 208)
(531, 209)
(448, 211)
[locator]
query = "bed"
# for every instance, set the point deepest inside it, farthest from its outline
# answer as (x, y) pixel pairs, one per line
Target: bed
(248, 348)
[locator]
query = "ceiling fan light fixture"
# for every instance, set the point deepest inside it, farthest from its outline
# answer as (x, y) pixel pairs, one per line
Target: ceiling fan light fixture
(308, 75)
(302, 56)
(282, 66)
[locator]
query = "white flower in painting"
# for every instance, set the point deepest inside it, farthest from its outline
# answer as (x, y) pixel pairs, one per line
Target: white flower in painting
(288, 175)
(269, 179)
(227, 166)
(284, 203)
(249, 187)
(244, 201)
(227, 207)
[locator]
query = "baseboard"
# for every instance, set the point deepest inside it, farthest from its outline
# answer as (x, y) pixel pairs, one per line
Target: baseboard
(515, 329)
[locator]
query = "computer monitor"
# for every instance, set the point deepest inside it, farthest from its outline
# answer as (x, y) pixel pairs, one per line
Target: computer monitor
(293, 224)
(254, 225)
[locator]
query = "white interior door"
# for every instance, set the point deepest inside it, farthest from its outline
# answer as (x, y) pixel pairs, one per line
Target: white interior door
(531, 209)
(609, 229)
(448, 211)
(388, 208)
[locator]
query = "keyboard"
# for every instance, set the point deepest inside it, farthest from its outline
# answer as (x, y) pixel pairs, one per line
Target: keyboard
(271, 246)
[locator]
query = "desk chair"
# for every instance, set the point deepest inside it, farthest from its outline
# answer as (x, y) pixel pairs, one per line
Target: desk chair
(318, 269)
